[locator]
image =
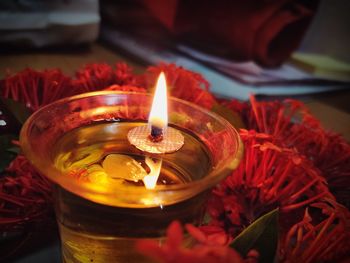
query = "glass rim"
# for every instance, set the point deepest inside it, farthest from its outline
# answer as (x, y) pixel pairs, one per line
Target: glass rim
(195, 187)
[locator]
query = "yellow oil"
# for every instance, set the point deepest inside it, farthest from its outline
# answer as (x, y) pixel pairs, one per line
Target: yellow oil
(96, 232)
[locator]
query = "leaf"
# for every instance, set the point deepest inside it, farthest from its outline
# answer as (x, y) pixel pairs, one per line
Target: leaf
(8, 152)
(14, 149)
(231, 116)
(261, 235)
(17, 109)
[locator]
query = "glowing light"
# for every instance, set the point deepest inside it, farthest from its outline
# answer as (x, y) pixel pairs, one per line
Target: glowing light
(158, 116)
(151, 179)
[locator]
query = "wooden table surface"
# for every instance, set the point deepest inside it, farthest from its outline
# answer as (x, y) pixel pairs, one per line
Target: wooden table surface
(333, 109)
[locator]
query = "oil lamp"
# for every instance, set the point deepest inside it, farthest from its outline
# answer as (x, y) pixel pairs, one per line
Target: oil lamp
(122, 174)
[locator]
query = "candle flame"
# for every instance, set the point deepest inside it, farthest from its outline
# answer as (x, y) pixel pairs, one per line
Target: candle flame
(150, 180)
(158, 116)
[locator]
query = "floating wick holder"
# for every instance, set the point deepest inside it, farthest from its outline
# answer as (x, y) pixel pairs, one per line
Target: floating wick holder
(140, 137)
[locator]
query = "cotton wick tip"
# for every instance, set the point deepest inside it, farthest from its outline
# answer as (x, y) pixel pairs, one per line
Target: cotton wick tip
(156, 134)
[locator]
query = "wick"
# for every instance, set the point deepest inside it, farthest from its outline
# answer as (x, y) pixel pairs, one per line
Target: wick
(156, 140)
(156, 134)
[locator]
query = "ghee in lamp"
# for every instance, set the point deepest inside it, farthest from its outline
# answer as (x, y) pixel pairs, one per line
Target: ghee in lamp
(109, 161)
(101, 202)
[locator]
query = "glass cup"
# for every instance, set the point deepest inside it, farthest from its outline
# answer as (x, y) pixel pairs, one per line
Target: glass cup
(100, 218)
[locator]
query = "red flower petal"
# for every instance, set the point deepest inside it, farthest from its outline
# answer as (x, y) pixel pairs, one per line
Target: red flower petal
(174, 234)
(183, 84)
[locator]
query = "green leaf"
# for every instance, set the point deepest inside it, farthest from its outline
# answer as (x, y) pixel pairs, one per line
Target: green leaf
(231, 116)
(18, 110)
(14, 149)
(261, 235)
(8, 151)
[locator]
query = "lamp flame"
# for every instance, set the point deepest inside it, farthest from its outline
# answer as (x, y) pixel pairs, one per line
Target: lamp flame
(150, 180)
(158, 116)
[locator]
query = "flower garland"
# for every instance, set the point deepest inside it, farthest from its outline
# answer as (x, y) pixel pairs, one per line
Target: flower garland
(290, 163)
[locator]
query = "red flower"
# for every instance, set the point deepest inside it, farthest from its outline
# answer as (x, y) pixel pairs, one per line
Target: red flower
(97, 76)
(173, 250)
(323, 235)
(124, 76)
(184, 84)
(209, 235)
(25, 195)
(269, 176)
(216, 143)
(94, 77)
(36, 89)
(292, 126)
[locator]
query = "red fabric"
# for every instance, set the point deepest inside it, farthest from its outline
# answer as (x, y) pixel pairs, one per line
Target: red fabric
(264, 31)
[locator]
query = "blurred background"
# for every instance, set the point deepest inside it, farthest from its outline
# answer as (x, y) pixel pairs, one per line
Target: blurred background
(271, 48)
